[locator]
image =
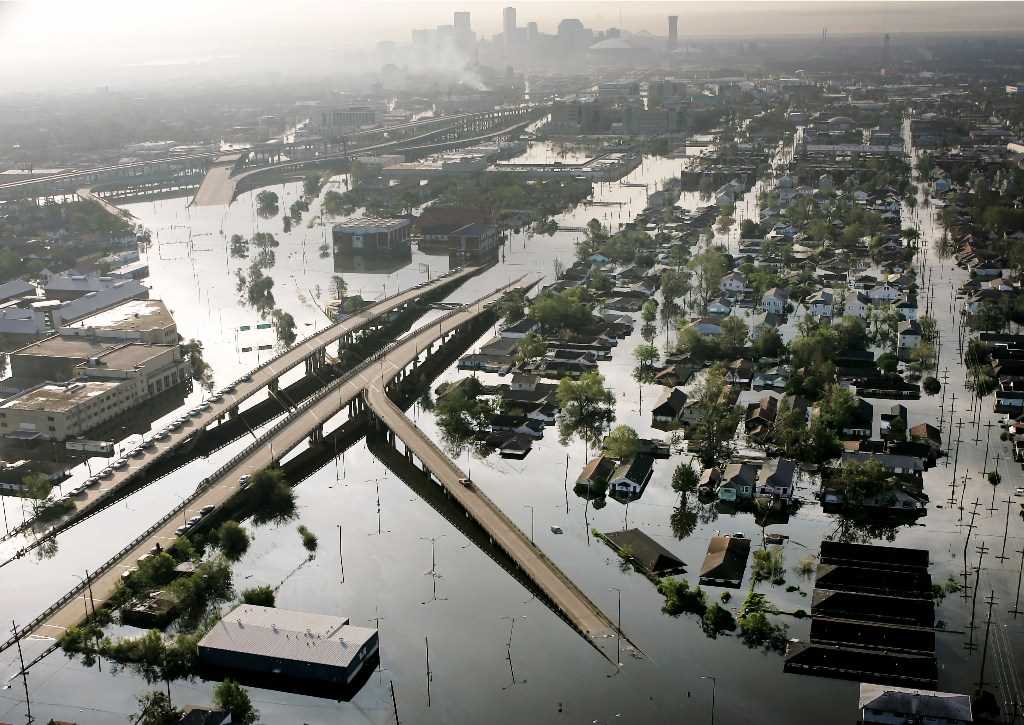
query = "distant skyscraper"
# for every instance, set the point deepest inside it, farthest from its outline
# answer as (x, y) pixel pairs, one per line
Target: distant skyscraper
(885, 54)
(673, 32)
(531, 33)
(462, 20)
(508, 26)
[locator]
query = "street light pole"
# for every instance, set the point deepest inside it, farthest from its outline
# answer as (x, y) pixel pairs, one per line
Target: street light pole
(618, 636)
(714, 687)
(530, 506)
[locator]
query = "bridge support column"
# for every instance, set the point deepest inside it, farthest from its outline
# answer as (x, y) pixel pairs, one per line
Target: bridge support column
(273, 384)
(316, 436)
(233, 413)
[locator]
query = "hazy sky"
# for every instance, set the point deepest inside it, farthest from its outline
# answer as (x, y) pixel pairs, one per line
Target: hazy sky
(46, 43)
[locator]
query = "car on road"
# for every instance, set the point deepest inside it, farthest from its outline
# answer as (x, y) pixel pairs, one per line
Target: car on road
(161, 436)
(194, 412)
(120, 463)
(243, 480)
(247, 378)
(107, 472)
(180, 530)
(229, 388)
(206, 509)
(137, 451)
(193, 521)
(1019, 492)
(216, 398)
(203, 406)
(468, 483)
(93, 481)
(148, 443)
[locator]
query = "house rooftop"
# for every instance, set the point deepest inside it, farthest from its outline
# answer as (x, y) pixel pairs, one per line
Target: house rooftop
(917, 705)
(133, 315)
(654, 557)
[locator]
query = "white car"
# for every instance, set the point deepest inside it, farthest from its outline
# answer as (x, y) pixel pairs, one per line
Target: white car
(1019, 492)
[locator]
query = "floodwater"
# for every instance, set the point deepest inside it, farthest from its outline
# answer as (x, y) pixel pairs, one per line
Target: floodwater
(495, 653)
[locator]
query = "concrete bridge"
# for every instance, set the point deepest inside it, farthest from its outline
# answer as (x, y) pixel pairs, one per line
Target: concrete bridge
(306, 422)
(223, 182)
(188, 171)
(364, 390)
(311, 353)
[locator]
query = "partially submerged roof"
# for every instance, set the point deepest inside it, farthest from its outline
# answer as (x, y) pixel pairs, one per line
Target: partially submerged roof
(651, 555)
(726, 559)
(918, 704)
(290, 635)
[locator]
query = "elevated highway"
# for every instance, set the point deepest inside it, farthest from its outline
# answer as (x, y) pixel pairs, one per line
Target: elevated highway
(310, 352)
(272, 446)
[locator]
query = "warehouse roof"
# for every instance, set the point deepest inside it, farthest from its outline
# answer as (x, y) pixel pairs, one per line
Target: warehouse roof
(130, 315)
(290, 635)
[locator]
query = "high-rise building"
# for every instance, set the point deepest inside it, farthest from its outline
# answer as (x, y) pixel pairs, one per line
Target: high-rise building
(531, 33)
(508, 26)
(462, 20)
(673, 32)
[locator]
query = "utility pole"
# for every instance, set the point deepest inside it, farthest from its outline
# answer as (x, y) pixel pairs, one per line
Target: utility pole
(1006, 529)
(956, 460)
(394, 703)
(984, 648)
(426, 642)
(967, 541)
(24, 674)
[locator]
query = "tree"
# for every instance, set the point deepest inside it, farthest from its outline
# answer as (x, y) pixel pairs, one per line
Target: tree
(512, 306)
(339, 286)
(767, 343)
(284, 327)
(646, 354)
(888, 363)
(230, 696)
(734, 337)
(201, 371)
(622, 443)
(272, 498)
(309, 540)
(267, 203)
(530, 348)
(709, 268)
(155, 708)
(716, 428)
(262, 596)
(649, 312)
(37, 490)
(591, 244)
(587, 408)
(684, 479)
(311, 185)
(232, 540)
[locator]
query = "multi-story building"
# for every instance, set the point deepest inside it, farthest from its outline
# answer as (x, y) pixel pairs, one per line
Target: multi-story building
(102, 387)
(367, 235)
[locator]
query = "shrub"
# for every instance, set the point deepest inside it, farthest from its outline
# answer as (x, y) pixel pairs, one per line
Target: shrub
(259, 596)
(931, 385)
(309, 539)
(233, 540)
(680, 598)
(717, 619)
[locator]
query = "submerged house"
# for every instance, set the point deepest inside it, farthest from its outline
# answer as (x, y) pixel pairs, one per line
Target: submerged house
(738, 482)
(726, 561)
(631, 475)
(654, 558)
(669, 410)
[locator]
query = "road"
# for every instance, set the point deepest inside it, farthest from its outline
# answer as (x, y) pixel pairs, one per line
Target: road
(218, 188)
(565, 595)
(244, 389)
(272, 446)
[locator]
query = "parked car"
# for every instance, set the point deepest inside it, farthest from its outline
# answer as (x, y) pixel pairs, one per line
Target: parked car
(120, 463)
(207, 509)
(93, 481)
(162, 435)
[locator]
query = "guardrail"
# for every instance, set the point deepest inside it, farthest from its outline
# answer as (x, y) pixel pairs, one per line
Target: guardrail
(208, 482)
(95, 506)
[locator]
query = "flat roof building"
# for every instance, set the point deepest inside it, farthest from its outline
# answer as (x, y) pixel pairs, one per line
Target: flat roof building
(294, 645)
(372, 236)
(146, 321)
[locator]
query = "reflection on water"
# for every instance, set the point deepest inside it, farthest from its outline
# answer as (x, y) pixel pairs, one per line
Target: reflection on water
(355, 496)
(373, 264)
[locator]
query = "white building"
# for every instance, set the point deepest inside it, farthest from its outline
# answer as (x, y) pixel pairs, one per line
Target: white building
(775, 300)
(889, 705)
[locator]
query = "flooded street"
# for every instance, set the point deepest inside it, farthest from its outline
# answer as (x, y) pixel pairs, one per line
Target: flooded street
(496, 653)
